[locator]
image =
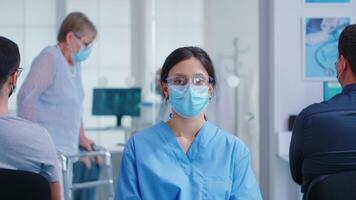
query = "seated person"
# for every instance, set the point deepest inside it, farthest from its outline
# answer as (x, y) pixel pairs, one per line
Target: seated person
(324, 134)
(186, 157)
(23, 144)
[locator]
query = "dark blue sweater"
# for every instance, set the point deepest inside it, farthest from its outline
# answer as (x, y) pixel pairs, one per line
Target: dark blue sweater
(324, 138)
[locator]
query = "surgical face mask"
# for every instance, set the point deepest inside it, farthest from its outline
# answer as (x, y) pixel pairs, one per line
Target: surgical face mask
(82, 54)
(188, 101)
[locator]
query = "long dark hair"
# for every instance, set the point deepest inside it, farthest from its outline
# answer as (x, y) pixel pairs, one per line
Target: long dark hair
(185, 53)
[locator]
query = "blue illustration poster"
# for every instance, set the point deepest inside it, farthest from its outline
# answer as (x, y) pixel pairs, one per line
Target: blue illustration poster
(320, 40)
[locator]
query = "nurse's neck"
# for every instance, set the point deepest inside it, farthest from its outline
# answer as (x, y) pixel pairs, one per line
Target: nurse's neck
(186, 127)
(66, 52)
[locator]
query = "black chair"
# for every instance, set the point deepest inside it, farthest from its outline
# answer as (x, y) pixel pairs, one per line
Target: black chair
(24, 185)
(339, 186)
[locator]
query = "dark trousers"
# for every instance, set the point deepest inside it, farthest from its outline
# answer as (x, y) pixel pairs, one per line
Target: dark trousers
(81, 173)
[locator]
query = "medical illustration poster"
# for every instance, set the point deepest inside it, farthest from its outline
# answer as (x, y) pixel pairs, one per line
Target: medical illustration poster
(320, 38)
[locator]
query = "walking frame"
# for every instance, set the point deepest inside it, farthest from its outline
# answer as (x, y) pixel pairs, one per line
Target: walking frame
(67, 162)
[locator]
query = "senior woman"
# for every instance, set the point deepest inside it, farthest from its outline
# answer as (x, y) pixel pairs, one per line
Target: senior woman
(52, 93)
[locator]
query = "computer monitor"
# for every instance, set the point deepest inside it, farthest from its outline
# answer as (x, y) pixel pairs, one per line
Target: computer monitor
(331, 88)
(116, 101)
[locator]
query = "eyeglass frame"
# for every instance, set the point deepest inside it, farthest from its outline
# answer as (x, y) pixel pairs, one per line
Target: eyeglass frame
(86, 45)
(18, 71)
(210, 80)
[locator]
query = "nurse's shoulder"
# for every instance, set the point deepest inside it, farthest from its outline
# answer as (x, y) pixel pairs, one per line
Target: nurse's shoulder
(147, 136)
(148, 133)
(227, 140)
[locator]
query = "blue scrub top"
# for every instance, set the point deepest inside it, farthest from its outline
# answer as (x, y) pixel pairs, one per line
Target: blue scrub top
(217, 166)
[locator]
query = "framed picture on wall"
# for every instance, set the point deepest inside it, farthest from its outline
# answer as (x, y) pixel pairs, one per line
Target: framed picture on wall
(320, 37)
(327, 2)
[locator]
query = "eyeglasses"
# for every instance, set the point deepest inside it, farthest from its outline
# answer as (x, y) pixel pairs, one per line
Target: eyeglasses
(197, 80)
(18, 70)
(86, 44)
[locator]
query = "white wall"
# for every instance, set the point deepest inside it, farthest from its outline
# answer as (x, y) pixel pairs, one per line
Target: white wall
(290, 94)
(22, 21)
(178, 25)
(235, 109)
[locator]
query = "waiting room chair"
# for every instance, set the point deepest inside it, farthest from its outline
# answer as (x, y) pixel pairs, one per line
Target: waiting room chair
(24, 185)
(339, 186)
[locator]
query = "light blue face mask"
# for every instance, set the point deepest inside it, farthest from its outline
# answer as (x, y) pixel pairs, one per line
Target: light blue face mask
(188, 101)
(82, 54)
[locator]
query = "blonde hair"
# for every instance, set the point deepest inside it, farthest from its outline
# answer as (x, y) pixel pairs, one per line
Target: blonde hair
(75, 22)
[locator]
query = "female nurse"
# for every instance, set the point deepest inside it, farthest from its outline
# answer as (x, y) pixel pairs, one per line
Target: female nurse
(187, 157)
(52, 93)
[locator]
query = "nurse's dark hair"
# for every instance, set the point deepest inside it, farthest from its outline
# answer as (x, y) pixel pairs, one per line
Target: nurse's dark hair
(184, 53)
(347, 46)
(9, 59)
